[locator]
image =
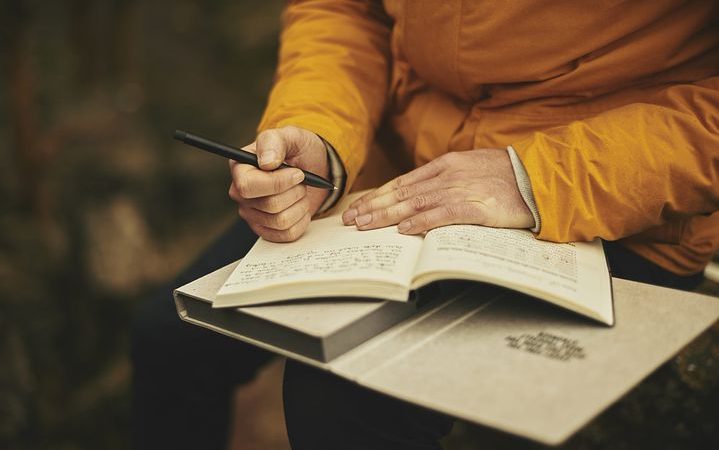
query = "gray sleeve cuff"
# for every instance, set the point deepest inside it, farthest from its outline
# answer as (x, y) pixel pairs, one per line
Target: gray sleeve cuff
(338, 176)
(525, 187)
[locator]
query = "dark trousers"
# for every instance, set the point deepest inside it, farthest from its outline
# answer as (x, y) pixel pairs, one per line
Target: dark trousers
(184, 376)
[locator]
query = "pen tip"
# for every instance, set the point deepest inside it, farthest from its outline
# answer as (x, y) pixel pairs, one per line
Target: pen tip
(179, 135)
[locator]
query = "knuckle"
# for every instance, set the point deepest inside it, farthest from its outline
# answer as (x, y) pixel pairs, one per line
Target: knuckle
(299, 192)
(480, 213)
(264, 136)
(274, 236)
(279, 184)
(282, 220)
(256, 229)
(290, 136)
(419, 202)
(446, 160)
(281, 237)
(300, 227)
(244, 188)
(364, 207)
(421, 222)
(380, 215)
(452, 157)
(402, 193)
(433, 198)
(291, 131)
(271, 204)
(304, 204)
(293, 233)
(299, 135)
(449, 176)
(451, 211)
(462, 173)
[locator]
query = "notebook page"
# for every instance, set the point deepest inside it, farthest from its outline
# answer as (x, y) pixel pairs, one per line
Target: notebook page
(328, 252)
(574, 272)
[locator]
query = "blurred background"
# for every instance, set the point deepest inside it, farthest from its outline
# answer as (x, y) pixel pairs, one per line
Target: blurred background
(99, 207)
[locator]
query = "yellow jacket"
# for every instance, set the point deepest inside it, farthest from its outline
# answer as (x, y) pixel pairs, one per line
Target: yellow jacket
(612, 106)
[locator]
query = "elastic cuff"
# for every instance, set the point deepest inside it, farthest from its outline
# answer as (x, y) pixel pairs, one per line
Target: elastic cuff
(525, 187)
(338, 175)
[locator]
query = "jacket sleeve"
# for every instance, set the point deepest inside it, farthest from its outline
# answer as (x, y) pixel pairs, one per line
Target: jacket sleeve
(628, 169)
(332, 74)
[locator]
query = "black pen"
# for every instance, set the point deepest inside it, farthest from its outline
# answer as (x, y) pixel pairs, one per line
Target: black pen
(244, 157)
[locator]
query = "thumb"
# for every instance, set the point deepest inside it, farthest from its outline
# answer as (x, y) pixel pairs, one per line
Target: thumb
(271, 149)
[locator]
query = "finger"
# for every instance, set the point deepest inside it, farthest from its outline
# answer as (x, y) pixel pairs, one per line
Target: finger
(298, 140)
(425, 172)
(391, 198)
(234, 193)
(271, 148)
(291, 234)
(283, 220)
(252, 182)
(251, 147)
(452, 213)
(396, 213)
(273, 204)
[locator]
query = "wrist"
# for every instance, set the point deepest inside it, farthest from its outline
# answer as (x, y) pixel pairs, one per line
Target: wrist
(336, 174)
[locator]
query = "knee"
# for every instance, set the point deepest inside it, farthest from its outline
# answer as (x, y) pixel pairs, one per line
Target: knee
(159, 339)
(312, 398)
(162, 345)
(149, 334)
(323, 411)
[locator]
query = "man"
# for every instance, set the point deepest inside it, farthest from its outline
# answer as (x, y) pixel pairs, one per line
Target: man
(576, 122)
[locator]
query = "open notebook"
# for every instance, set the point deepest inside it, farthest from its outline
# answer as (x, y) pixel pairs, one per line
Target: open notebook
(332, 260)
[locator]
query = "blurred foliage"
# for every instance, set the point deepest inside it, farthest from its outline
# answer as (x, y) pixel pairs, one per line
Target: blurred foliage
(99, 206)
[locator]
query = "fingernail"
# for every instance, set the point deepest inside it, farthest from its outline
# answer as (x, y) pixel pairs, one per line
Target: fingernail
(349, 215)
(403, 226)
(364, 219)
(298, 177)
(267, 157)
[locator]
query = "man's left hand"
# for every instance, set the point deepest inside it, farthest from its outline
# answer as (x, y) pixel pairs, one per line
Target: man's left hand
(472, 187)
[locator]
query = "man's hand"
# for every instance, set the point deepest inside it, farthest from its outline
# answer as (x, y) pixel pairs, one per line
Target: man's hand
(474, 187)
(273, 202)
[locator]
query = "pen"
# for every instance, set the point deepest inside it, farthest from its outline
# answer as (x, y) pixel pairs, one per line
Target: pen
(244, 157)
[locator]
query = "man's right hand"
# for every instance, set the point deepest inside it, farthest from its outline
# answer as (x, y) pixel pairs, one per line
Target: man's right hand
(274, 203)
